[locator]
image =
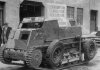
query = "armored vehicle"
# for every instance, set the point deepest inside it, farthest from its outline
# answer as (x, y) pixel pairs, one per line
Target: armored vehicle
(42, 44)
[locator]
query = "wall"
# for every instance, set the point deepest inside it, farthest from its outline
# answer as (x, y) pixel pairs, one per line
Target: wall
(86, 15)
(12, 10)
(85, 4)
(97, 7)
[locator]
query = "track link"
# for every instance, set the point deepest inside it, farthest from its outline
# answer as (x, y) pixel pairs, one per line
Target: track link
(33, 58)
(28, 57)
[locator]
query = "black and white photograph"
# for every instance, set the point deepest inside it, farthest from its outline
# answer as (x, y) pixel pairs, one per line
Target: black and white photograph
(49, 35)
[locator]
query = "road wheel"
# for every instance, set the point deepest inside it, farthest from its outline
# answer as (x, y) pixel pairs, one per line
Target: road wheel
(89, 50)
(2, 59)
(55, 53)
(33, 58)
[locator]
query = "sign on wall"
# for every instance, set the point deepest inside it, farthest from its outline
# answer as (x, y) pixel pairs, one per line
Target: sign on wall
(57, 11)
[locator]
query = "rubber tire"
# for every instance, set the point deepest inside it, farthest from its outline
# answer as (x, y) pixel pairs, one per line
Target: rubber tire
(87, 47)
(31, 60)
(50, 51)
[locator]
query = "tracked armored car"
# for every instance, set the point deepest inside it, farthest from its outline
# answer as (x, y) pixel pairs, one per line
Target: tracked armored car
(45, 44)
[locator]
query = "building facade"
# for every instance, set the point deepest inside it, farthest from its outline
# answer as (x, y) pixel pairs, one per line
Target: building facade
(84, 13)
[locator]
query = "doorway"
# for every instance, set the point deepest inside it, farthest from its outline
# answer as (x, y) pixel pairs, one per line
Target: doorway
(31, 9)
(93, 20)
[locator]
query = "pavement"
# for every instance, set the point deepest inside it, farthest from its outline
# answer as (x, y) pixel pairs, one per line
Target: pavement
(92, 65)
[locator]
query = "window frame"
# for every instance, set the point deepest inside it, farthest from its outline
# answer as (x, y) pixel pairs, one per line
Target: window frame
(80, 16)
(70, 12)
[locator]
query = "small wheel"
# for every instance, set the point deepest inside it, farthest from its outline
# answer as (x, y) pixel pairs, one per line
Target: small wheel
(55, 53)
(89, 48)
(34, 58)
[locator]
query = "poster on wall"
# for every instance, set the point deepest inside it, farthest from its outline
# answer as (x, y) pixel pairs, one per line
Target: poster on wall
(57, 12)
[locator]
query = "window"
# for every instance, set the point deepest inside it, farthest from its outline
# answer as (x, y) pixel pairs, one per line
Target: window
(32, 25)
(70, 12)
(24, 36)
(80, 16)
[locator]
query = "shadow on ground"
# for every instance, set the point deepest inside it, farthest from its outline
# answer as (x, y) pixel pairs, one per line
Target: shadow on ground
(80, 67)
(17, 68)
